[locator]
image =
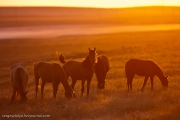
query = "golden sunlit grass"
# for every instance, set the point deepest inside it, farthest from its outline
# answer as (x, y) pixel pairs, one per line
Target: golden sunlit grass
(114, 102)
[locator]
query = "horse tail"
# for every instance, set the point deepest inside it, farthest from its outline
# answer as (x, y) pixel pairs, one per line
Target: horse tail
(35, 64)
(126, 72)
(61, 57)
(18, 79)
(36, 77)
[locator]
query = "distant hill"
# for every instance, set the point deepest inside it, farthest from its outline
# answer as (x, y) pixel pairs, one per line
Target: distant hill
(24, 16)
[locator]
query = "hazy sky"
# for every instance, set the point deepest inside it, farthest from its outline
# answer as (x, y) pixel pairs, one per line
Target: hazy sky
(90, 3)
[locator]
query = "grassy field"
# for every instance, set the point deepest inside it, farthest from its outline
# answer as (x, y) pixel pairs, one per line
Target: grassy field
(114, 102)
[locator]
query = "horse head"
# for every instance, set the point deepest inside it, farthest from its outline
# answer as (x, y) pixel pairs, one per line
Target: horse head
(165, 82)
(101, 84)
(92, 56)
(70, 93)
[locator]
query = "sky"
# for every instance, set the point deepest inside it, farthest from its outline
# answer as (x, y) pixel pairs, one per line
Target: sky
(90, 3)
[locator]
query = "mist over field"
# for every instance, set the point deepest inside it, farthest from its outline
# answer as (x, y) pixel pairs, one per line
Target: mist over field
(50, 22)
(33, 34)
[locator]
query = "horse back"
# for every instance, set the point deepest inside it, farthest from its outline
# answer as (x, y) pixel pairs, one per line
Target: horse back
(141, 67)
(73, 69)
(102, 66)
(42, 70)
(19, 76)
(105, 62)
(77, 71)
(57, 73)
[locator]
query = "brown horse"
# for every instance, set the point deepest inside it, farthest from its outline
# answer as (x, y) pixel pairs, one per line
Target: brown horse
(19, 78)
(101, 69)
(51, 72)
(145, 68)
(80, 70)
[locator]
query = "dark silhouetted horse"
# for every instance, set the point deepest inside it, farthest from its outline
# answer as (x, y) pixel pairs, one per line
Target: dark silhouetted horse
(101, 69)
(145, 68)
(19, 78)
(80, 70)
(51, 72)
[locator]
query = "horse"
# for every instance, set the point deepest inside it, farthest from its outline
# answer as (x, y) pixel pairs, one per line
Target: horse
(145, 68)
(80, 70)
(19, 78)
(51, 73)
(101, 69)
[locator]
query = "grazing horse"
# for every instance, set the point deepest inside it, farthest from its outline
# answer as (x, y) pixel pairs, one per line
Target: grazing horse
(80, 70)
(51, 72)
(19, 78)
(101, 69)
(145, 68)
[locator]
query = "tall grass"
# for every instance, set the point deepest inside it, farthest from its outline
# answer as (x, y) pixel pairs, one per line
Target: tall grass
(114, 102)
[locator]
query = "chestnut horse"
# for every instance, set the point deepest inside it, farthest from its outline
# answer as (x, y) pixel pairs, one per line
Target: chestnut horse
(19, 78)
(80, 70)
(101, 69)
(51, 73)
(145, 68)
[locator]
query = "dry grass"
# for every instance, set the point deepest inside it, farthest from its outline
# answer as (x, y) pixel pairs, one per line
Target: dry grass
(114, 102)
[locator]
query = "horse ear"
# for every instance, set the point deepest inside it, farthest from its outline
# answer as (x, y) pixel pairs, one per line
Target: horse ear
(58, 54)
(74, 94)
(89, 49)
(94, 48)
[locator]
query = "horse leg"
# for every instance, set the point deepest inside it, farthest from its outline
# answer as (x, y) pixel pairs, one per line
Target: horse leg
(37, 83)
(36, 91)
(13, 95)
(55, 89)
(18, 94)
(88, 86)
(97, 85)
(129, 82)
(82, 89)
(152, 82)
(145, 80)
(42, 89)
(73, 83)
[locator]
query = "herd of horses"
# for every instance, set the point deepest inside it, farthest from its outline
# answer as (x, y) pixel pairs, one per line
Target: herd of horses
(79, 70)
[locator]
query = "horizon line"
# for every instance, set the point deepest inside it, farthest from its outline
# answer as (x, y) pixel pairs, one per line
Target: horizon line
(97, 7)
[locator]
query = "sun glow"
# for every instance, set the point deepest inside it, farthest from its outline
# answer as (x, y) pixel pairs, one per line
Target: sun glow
(90, 3)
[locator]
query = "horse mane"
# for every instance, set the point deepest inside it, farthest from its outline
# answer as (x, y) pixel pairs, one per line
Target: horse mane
(35, 64)
(158, 70)
(56, 69)
(160, 74)
(60, 57)
(86, 63)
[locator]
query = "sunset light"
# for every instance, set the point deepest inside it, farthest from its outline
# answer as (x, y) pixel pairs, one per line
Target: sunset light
(90, 59)
(91, 3)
